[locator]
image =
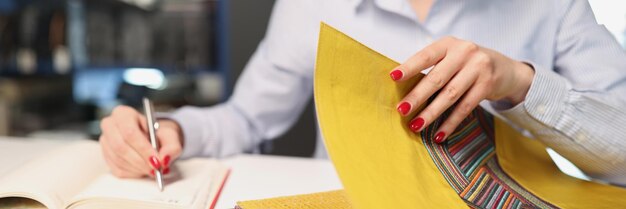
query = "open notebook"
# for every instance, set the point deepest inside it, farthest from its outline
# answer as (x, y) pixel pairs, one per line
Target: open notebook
(75, 176)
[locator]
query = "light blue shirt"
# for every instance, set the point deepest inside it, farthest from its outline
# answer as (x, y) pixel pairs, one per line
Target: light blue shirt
(576, 104)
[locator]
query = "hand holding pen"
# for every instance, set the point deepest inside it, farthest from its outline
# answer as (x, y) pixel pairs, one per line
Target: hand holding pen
(126, 145)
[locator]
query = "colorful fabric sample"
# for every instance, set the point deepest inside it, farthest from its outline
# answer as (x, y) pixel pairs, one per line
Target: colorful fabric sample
(466, 161)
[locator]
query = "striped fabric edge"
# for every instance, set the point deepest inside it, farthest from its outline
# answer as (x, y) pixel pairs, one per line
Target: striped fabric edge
(467, 160)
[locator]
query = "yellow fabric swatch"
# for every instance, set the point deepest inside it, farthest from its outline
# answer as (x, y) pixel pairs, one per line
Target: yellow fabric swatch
(323, 200)
(527, 161)
(382, 164)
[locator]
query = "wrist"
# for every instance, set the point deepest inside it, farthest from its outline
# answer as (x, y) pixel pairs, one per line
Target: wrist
(524, 74)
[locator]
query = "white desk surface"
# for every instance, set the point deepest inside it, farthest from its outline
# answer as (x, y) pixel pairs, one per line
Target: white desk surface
(257, 177)
(252, 176)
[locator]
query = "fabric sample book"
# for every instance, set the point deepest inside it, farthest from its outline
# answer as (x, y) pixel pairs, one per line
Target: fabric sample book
(485, 163)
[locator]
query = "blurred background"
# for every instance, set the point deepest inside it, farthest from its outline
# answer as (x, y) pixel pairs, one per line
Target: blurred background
(64, 64)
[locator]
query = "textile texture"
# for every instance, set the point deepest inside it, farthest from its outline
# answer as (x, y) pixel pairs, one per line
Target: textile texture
(484, 164)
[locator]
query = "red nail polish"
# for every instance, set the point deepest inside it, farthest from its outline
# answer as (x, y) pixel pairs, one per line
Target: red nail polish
(416, 124)
(166, 160)
(440, 137)
(404, 108)
(152, 172)
(166, 171)
(155, 162)
(396, 75)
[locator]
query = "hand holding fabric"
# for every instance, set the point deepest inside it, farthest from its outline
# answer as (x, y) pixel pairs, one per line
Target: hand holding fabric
(462, 73)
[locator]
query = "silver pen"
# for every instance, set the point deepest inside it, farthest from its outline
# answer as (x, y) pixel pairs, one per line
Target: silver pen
(147, 106)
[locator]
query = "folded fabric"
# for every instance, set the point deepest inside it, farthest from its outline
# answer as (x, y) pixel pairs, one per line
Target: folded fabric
(484, 164)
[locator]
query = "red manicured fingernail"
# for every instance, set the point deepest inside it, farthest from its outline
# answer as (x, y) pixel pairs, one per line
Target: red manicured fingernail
(396, 75)
(166, 170)
(440, 137)
(155, 162)
(166, 160)
(152, 172)
(404, 108)
(416, 124)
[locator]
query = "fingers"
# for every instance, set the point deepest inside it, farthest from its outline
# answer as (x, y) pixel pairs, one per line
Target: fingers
(460, 112)
(132, 127)
(171, 147)
(171, 140)
(477, 92)
(446, 98)
(432, 82)
(121, 152)
(125, 144)
(460, 71)
(422, 60)
(118, 166)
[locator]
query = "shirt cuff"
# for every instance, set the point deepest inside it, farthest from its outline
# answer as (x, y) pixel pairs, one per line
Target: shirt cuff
(547, 97)
(543, 105)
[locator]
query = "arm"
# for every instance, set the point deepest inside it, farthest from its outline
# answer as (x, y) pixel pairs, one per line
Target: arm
(269, 96)
(578, 108)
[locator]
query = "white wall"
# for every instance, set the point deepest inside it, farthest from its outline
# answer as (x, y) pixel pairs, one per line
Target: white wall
(612, 14)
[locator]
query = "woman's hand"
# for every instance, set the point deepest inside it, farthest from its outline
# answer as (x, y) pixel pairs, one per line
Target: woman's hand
(463, 72)
(127, 149)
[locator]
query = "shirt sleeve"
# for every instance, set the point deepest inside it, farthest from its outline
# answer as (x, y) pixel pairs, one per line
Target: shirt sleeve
(578, 106)
(272, 91)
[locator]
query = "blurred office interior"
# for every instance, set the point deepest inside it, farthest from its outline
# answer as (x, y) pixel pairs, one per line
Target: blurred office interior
(64, 64)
